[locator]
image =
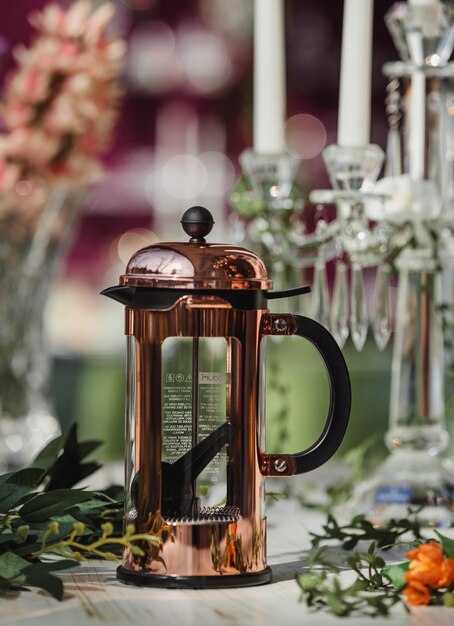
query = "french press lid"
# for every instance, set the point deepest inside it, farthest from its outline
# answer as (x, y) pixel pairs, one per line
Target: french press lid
(196, 266)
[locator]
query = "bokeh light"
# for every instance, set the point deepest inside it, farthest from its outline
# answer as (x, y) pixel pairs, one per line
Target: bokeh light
(204, 59)
(184, 176)
(152, 60)
(305, 136)
(129, 242)
(24, 188)
(221, 173)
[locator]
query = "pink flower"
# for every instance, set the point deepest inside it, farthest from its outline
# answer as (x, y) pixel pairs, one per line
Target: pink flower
(32, 145)
(61, 118)
(68, 50)
(17, 114)
(80, 84)
(53, 55)
(77, 19)
(30, 85)
(60, 104)
(98, 22)
(9, 175)
(50, 20)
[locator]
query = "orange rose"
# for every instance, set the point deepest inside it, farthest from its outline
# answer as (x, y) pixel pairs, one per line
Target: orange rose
(427, 575)
(430, 550)
(428, 569)
(417, 593)
(447, 574)
(425, 565)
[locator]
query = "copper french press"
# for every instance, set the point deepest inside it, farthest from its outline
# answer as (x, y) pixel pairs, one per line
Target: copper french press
(196, 314)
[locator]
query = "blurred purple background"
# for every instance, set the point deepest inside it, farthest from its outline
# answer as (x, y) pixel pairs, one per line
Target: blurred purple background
(187, 115)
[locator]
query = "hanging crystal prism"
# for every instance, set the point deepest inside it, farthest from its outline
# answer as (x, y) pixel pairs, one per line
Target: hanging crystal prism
(320, 294)
(381, 321)
(339, 307)
(393, 165)
(359, 320)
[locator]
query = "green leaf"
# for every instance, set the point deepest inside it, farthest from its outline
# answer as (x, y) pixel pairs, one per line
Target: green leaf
(43, 580)
(62, 459)
(337, 605)
(87, 447)
(48, 455)
(65, 523)
(447, 544)
(396, 573)
(116, 493)
(11, 565)
(50, 566)
(92, 504)
(62, 462)
(68, 468)
(17, 485)
(5, 477)
(27, 548)
(358, 585)
(350, 543)
(368, 558)
(353, 561)
(45, 505)
(7, 586)
(6, 535)
(309, 581)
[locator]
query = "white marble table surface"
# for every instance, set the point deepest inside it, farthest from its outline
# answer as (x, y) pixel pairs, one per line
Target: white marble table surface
(94, 597)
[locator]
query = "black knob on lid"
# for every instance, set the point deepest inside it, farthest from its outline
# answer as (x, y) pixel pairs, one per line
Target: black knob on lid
(197, 222)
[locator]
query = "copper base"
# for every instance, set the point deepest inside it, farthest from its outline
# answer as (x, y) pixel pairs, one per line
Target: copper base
(194, 582)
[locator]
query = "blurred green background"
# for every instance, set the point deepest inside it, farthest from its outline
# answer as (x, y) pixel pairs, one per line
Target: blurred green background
(91, 392)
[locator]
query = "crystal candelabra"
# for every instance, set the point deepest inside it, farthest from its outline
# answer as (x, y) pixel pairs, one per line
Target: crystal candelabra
(402, 226)
(407, 223)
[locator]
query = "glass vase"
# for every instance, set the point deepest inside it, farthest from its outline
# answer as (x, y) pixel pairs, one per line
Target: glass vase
(30, 253)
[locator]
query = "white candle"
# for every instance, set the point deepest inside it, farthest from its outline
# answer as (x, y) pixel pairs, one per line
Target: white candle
(355, 76)
(417, 125)
(269, 76)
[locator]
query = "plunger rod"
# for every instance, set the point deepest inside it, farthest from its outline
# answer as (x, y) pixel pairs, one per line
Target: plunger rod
(195, 414)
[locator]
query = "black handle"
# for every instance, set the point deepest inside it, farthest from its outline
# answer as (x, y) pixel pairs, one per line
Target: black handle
(340, 400)
(287, 293)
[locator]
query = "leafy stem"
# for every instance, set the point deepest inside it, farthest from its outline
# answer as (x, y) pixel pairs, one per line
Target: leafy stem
(360, 529)
(374, 591)
(71, 543)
